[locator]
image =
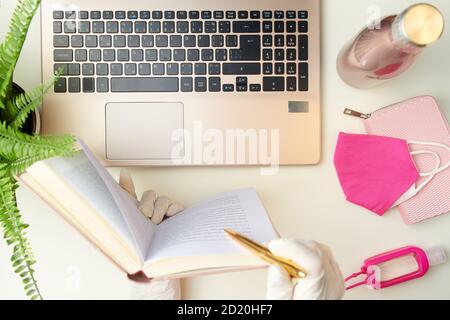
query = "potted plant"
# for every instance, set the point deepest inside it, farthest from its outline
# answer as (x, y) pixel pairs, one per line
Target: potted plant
(20, 143)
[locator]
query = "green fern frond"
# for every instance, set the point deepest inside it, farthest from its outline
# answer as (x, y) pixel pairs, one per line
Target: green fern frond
(17, 145)
(19, 108)
(12, 46)
(14, 233)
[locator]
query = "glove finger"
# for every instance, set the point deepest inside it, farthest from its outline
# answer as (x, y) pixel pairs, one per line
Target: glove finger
(126, 182)
(160, 210)
(147, 203)
(304, 253)
(279, 284)
(174, 208)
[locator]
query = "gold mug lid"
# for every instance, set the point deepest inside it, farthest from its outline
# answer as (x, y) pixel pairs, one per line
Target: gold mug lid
(423, 24)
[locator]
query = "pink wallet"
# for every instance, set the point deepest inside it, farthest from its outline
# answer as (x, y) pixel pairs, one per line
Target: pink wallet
(417, 119)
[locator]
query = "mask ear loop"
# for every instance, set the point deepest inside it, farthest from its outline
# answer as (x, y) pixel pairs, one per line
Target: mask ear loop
(437, 169)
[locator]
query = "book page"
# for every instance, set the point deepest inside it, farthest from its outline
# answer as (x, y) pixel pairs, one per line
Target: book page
(199, 230)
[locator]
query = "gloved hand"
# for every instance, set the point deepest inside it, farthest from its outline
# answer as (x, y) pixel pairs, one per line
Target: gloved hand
(324, 280)
(155, 208)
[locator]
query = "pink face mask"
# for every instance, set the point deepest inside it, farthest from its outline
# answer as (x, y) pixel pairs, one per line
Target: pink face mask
(379, 173)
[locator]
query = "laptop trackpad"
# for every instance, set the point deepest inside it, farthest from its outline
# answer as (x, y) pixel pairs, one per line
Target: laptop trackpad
(144, 131)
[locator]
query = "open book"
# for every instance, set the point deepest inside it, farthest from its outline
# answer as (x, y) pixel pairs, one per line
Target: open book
(192, 242)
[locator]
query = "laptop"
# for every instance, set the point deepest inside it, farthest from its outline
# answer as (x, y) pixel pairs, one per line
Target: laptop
(185, 83)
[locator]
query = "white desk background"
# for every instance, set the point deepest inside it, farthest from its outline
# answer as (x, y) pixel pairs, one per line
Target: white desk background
(304, 202)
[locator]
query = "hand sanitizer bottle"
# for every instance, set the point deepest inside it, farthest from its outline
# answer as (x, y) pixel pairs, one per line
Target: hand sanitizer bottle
(382, 53)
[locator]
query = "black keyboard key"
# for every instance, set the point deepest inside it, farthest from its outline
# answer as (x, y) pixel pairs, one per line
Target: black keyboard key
(214, 69)
(126, 27)
(154, 27)
(168, 26)
(70, 15)
(279, 54)
(151, 55)
(179, 54)
(95, 14)
(302, 47)
(291, 54)
(255, 14)
(291, 14)
(186, 69)
(250, 49)
(132, 15)
(133, 41)
(144, 15)
(76, 41)
(101, 69)
(291, 68)
(105, 41)
(255, 87)
(291, 26)
(200, 68)
(267, 54)
(61, 41)
(221, 54)
(214, 84)
(200, 84)
(119, 41)
(83, 15)
(137, 55)
(267, 40)
(60, 85)
(157, 15)
(57, 26)
(303, 82)
(217, 41)
(102, 84)
(148, 41)
(267, 68)
(242, 88)
(303, 14)
(303, 26)
(176, 41)
(58, 15)
(116, 69)
(88, 69)
(181, 15)
(62, 55)
(196, 26)
(73, 69)
(165, 55)
(62, 68)
(140, 26)
(84, 27)
(273, 84)
(91, 41)
(144, 84)
(119, 15)
(193, 55)
(210, 26)
(95, 55)
(112, 27)
(88, 84)
(182, 26)
(224, 27)
(243, 14)
(228, 87)
(172, 69)
(279, 26)
(291, 40)
(291, 83)
(70, 27)
(241, 68)
(206, 15)
(162, 41)
(144, 69)
(267, 14)
(107, 15)
(246, 27)
(130, 69)
(80, 55)
(123, 55)
(279, 68)
(207, 54)
(194, 15)
(158, 69)
(279, 14)
(241, 81)
(109, 55)
(267, 26)
(186, 84)
(231, 14)
(74, 85)
(203, 40)
(232, 41)
(169, 15)
(218, 15)
(279, 40)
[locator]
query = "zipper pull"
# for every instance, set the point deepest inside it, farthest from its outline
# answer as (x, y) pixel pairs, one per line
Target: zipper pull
(357, 114)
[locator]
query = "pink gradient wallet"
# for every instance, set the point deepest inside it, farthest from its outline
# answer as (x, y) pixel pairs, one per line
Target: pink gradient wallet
(418, 119)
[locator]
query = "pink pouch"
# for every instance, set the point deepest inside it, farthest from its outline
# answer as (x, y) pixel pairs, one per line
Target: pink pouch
(417, 119)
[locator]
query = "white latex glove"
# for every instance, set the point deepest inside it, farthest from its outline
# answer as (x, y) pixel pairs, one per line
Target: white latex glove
(324, 280)
(155, 208)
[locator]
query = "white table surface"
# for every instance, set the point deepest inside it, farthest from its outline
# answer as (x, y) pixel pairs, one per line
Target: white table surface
(304, 202)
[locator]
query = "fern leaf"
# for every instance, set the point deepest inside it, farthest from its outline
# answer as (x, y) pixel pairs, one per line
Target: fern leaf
(19, 108)
(17, 145)
(12, 46)
(22, 258)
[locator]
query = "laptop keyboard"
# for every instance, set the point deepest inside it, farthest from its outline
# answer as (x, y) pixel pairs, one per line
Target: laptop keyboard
(180, 51)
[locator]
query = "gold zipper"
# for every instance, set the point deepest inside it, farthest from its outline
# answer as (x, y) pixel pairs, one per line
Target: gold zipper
(353, 113)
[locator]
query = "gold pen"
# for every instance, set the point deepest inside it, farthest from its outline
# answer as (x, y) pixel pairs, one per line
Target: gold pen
(293, 269)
